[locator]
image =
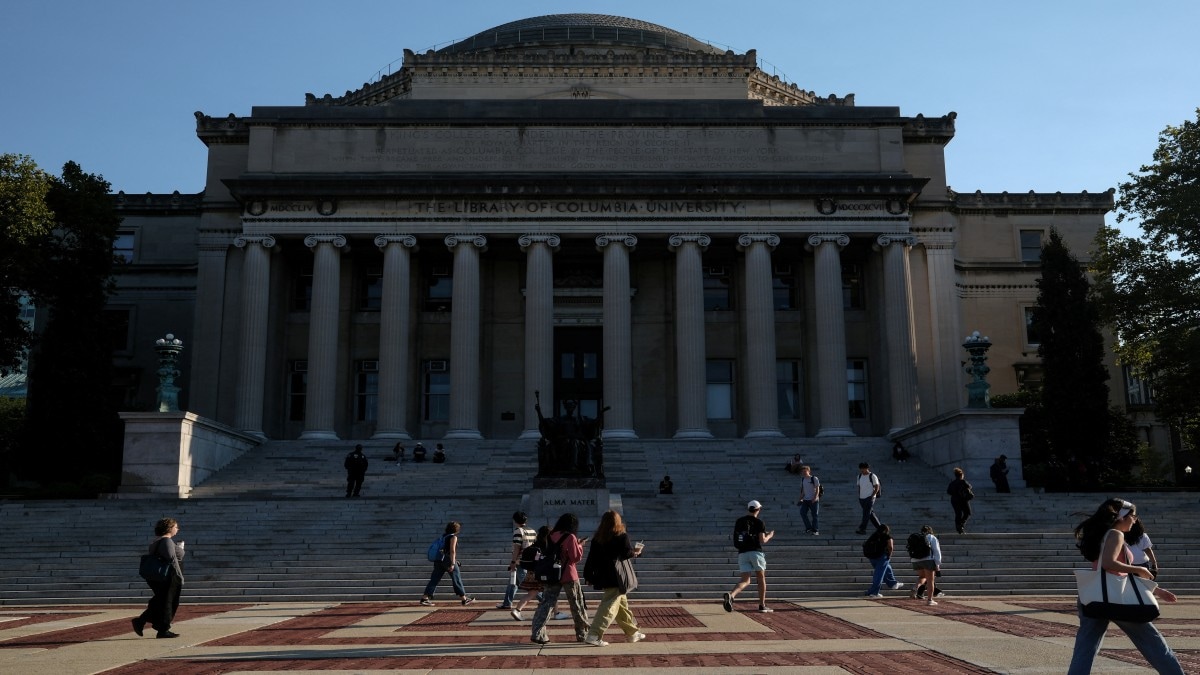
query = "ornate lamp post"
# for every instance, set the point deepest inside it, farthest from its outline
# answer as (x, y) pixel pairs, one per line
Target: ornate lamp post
(168, 349)
(977, 389)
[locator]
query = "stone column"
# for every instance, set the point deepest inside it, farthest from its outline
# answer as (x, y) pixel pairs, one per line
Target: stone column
(319, 395)
(761, 394)
(464, 337)
(944, 323)
(899, 338)
(252, 338)
(618, 335)
(207, 326)
(394, 343)
(691, 373)
(831, 335)
(539, 324)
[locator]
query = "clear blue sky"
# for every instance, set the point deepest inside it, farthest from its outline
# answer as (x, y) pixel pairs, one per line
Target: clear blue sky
(1050, 96)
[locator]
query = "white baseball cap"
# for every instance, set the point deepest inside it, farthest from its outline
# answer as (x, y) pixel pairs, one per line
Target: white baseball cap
(754, 505)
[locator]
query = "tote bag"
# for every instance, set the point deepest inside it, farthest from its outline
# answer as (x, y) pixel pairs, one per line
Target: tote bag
(1116, 598)
(626, 577)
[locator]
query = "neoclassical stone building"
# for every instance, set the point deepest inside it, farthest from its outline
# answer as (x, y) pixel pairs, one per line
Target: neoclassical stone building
(592, 208)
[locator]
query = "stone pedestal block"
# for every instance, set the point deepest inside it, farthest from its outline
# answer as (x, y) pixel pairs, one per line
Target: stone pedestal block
(167, 454)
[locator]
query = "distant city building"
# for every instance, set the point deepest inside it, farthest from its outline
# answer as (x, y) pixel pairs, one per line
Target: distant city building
(595, 208)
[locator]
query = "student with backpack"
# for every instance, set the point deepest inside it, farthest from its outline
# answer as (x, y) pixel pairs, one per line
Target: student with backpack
(749, 535)
(926, 555)
(443, 553)
(558, 573)
(878, 549)
(810, 500)
(868, 491)
(527, 562)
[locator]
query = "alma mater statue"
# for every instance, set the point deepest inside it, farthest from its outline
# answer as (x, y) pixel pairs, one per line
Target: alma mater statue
(570, 450)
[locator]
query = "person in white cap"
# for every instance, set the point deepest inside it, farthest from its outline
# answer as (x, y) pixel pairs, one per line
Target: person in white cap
(749, 534)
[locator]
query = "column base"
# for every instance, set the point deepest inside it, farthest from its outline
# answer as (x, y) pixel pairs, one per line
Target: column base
(835, 432)
(619, 435)
(391, 435)
(319, 435)
(463, 435)
(529, 435)
(692, 434)
(764, 433)
(255, 433)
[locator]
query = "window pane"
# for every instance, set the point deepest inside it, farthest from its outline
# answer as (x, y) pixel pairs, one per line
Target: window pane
(719, 371)
(123, 247)
(856, 387)
(568, 366)
(297, 387)
(590, 371)
(366, 399)
(371, 293)
(852, 286)
(1031, 336)
(787, 387)
(437, 396)
(717, 295)
(1031, 245)
(720, 401)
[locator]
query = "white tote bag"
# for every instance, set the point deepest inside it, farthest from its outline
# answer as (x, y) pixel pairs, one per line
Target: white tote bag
(1117, 598)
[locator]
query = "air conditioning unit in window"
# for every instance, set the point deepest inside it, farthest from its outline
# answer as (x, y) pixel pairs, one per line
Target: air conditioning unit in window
(299, 366)
(439, 270)
(437, 366)
(783, 270)
(369, 366)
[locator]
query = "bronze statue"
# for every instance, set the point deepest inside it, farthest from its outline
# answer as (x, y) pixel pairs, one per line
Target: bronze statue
(571, 444)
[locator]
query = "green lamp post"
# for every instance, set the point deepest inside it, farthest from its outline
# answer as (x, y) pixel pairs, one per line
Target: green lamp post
(977, 389)
(168, 349)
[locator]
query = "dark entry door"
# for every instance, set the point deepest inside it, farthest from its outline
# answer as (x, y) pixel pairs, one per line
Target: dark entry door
(577, 369)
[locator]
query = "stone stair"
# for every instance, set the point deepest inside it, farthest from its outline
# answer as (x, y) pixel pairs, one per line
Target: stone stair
(274, 526)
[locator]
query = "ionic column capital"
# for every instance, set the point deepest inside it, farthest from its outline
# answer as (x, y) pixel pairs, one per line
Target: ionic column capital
(267, 241)
(405, 240)
(603, 240)
(675, 241)
(815, 240)
(478, 240)
(527, 240)
(887, 239)
(313, 240)
(745, 241)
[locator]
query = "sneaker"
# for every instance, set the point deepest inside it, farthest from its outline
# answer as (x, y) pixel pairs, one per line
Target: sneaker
(427, 602)
(764, 609)
(562, 615)
(467, 599)
(637, 637)
(516, 614)
(816, 532)
(540, 641)
(595, 641)
(503, 606)
(931, 602)
(897, 587)
(166, 634)
(876, 596)
(727, 601)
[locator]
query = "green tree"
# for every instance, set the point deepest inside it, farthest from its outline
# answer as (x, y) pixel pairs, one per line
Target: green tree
(25, 219)
(1075, 384)
(1149, 286)
(70, 407)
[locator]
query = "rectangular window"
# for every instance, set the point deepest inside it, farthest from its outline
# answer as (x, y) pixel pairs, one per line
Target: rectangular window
(297, 390)
(787, 386)
(1031, 245)
(436, 397)
(720, 389)
(856, 387)
(302, 286)
(852, 286)
(122, 247)
(370, 290)
(439, 289)
(783, 288)
(718, 288)
(1137, 390)
(366, 391)
(1031, 336)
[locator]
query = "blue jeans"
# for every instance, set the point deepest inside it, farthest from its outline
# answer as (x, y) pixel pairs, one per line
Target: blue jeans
(868, 509)
(510, 591)
(882, 575)
(814, 508)
(1143, 635)
(455, 579)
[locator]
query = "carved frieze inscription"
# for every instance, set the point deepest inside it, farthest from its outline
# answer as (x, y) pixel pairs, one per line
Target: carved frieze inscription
(601, 149)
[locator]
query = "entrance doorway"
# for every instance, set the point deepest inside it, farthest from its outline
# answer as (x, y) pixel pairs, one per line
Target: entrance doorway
(577, 369)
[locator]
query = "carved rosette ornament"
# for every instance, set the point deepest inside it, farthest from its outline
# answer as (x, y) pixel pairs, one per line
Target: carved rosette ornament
(551, 240)
(815, 240)
(337, 240)
(405, 240)
(453, 240)
(267, 241)
(603, 240)
(677, 240)
(748, 239)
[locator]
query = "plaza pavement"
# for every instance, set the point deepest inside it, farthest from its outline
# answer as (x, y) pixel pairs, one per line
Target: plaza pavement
(1008, 634)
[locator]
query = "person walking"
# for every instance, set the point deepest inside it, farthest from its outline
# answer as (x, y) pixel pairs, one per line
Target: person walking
(569, 552)
(522, 538)
(810, 500)
(961, 495)
(610, 546)
(160, 611)
(530, 584)
(925, 551)
(1142, 548)
(447, 563)
(1101, 540)
(749, 535)
(356, 470)
(868, 492)
(878, 549)
(999, 473)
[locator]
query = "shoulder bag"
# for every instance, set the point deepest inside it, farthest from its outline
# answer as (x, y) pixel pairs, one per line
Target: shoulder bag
(1116, 598)
(626, 577)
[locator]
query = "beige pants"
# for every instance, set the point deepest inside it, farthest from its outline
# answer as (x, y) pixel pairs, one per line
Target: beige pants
(614, 605)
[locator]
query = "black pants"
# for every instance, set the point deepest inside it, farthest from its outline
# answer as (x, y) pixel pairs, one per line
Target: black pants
(160, 611)
(353, 484)
(962, 513)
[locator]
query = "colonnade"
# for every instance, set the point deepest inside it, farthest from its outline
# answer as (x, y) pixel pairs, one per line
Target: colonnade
(539, 248)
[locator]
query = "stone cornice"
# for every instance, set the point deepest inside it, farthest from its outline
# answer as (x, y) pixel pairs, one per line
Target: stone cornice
(1039, 202)
(936, 130)
(158, 203)
(226, 130)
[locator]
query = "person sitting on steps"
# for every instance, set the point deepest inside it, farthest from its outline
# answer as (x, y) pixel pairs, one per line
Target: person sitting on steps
(419, 453)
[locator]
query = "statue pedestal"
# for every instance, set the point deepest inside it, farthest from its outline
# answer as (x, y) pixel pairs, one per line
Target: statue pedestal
(545, 504)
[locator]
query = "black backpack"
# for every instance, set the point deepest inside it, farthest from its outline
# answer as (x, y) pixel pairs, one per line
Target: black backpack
(874, 547)
(745, 539)
(918, 546)
(529, 557)
(548, 568)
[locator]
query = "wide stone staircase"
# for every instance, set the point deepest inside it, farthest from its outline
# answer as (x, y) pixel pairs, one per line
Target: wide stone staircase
(274, 526)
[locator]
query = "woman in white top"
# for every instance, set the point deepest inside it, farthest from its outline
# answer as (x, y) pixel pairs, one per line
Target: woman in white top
(926, 565)
(1141, 548)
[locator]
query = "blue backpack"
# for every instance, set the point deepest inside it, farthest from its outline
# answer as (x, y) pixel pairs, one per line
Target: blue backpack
(437, 550)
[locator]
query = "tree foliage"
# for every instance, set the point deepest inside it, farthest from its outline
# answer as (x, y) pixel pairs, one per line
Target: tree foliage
(1149, 286)
(1075, 385)
(24, 219)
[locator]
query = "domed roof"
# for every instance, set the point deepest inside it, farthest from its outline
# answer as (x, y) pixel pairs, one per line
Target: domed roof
(579, 29)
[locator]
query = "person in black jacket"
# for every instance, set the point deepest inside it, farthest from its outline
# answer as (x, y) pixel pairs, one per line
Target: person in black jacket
(961, 495)
(356, 471)
(160, 611)
(610, 546)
